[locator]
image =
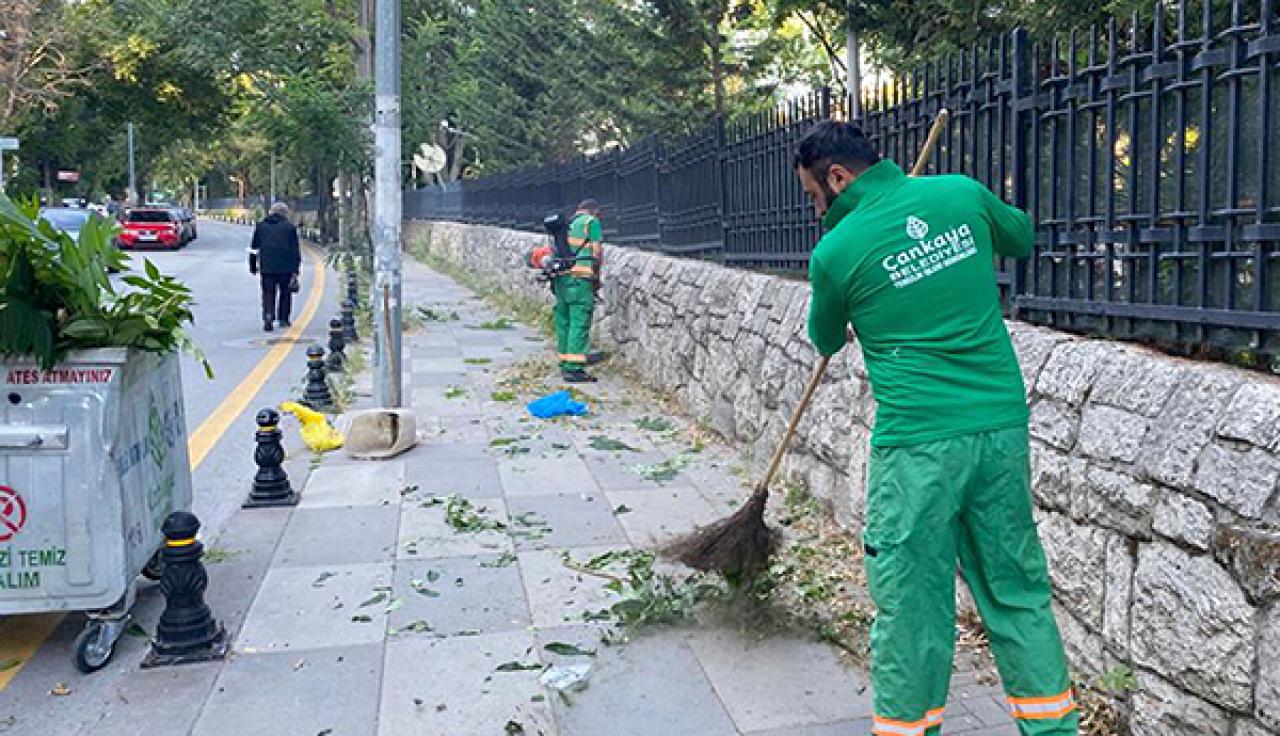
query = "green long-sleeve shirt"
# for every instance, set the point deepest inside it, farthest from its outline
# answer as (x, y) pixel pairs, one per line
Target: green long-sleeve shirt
(909, 262)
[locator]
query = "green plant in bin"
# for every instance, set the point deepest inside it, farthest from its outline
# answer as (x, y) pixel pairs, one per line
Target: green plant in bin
(56, 296)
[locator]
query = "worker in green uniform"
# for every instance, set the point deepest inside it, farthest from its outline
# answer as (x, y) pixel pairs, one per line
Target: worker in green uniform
(908, 262)
(576, 291)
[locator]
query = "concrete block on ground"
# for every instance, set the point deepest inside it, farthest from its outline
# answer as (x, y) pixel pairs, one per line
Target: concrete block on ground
(562, 521)
(317, 691)
(357, 484)
(339, 536)
(314, 607)
(542, 476)
(459, 594)
(751, 678)
(425, 534)
(652, 518)
(558, 595)
(464, 694)
(651, 685)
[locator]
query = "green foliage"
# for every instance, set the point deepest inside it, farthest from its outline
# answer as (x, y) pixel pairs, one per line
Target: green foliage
(55, 294)
(649, 597)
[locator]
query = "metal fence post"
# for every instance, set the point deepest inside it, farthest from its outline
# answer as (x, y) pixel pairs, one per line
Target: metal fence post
(721, 162)
(1022, 100)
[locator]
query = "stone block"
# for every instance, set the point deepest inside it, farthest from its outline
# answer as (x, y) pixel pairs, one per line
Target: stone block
(1184, 519)
(1112, 434)
(1160, 709)
(1192, 623)
(1118, 595)
(1243, 480)
(1251, 728)
(1082, 647)
(1186, 426)
(1267, 691)
(1254, 415)
(1116, 501)
(1077, 566)
(1071, 369)
(1055, 423)
(1253, 554)
(1033, 346)
(1055, 478)
(1137, 381)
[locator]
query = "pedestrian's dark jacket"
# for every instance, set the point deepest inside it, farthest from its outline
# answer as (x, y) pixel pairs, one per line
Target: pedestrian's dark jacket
(275, 247)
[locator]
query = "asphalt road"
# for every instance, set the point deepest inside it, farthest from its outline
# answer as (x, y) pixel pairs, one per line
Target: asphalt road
(229, 329)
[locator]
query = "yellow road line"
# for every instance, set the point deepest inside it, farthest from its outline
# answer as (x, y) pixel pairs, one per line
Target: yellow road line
(216, 424)
(22, 636)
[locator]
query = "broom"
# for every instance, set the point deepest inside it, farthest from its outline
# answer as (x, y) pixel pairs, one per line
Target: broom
(740, 545)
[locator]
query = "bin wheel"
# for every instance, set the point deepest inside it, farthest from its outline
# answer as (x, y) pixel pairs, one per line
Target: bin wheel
(154, 569)
(94, 648)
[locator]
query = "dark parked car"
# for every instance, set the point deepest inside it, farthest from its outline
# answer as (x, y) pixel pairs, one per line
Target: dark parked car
(152, 227)
(68, 220)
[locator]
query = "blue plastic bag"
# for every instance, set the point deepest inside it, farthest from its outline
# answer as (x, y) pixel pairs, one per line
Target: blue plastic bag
(557, 404)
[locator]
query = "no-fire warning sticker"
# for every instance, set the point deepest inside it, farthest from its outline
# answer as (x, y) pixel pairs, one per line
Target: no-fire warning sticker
(13, 513)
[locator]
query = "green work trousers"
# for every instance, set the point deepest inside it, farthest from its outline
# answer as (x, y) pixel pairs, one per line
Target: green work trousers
(965, 499)
(575, 301)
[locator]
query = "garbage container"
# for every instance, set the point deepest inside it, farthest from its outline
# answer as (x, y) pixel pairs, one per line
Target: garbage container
(93, 457)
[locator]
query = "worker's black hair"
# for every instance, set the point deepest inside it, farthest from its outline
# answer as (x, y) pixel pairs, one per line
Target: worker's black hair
(833, 142)
(589, 205)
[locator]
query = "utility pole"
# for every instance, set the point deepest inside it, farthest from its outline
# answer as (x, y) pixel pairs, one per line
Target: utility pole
(386, 211)
(852, 64)
(132, 196)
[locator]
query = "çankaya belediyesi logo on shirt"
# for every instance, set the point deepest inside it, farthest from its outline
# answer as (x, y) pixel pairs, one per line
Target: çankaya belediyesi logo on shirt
(928, 256)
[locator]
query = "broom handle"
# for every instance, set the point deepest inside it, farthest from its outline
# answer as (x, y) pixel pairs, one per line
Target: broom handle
(935, 133)
(781, 450)
(922, 162)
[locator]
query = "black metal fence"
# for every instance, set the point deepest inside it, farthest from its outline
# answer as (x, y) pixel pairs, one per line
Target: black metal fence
(1146, 151)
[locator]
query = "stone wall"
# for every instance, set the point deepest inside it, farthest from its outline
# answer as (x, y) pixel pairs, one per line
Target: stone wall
(1156, 478)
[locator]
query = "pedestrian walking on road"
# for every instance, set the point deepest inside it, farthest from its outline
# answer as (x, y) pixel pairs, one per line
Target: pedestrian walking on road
(276, 254)
(909, 263)
(576, 290)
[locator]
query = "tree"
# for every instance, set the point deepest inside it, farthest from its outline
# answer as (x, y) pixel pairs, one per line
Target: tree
(38, 64)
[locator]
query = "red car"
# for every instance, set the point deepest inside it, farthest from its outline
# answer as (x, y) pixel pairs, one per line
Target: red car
(152, 227)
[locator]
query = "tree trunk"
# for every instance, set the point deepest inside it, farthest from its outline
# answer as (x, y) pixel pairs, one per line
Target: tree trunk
(717, 69)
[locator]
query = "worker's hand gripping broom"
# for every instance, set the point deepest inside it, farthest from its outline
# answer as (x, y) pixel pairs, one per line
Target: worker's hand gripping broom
(740, 546)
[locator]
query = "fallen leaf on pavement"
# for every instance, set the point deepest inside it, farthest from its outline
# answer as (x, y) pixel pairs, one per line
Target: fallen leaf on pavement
(60, 690)
(559, 647)
(514, 666)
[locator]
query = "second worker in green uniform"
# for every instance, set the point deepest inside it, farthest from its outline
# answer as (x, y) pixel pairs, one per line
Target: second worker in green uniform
(575, 293)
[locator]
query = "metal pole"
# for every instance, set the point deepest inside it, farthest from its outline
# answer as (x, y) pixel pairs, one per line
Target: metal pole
(132, 196)
(386, 223)
(852, 65)
(273, 179)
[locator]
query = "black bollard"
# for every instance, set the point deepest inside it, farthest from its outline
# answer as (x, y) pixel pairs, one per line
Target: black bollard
(349, 334)
(271, 485)
(337, 358)
(353, 286)
(187, 631)
(316, 394)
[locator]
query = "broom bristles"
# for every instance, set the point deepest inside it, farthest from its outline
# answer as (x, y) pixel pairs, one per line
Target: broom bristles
(738, 546)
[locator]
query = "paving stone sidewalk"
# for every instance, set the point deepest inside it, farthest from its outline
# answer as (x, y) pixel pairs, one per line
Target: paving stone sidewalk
(364, 611)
